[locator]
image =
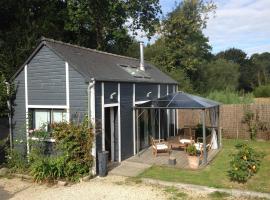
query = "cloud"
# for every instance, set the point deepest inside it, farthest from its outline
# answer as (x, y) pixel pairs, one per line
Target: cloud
(243, 24)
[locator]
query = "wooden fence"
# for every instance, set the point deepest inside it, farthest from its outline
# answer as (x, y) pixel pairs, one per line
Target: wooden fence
(231, 119)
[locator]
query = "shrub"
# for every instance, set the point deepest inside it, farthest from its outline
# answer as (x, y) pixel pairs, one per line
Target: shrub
(74, 144)
(244, 164)
(191, 150)
(231, 97)
(262, 91)
(48, 168)
(17, 161)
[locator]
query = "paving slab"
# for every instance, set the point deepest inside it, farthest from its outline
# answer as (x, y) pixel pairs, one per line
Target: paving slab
(130, 169)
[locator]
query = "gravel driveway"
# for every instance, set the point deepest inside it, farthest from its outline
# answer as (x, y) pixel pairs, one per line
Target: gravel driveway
(109, 188)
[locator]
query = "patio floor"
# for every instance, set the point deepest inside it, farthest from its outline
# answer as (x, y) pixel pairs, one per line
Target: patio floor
(146, 156)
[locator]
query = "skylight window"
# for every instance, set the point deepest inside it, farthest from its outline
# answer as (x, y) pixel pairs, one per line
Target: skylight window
(135, 71)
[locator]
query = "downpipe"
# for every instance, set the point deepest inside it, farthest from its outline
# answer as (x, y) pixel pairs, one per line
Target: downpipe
(93, 152)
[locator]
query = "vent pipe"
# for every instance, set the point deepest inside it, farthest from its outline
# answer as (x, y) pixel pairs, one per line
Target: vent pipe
(141, 57)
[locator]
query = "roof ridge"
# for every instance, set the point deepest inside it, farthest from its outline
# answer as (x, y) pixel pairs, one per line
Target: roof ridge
(43, 39)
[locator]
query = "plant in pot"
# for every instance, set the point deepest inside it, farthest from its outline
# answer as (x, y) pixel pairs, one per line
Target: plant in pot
(192, 158)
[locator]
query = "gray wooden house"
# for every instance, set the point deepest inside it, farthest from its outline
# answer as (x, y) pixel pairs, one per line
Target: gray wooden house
(60, 81)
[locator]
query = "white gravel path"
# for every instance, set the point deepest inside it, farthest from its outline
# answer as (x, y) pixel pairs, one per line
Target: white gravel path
(108, 188)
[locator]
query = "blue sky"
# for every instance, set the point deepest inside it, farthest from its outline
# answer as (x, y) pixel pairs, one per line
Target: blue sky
(243, 24)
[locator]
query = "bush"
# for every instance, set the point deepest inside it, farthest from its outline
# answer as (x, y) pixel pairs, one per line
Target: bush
(244, 164)
(74, 144)
(48, 168)
(262, 91)
(17, 161)
(191, 150)
(231, 97)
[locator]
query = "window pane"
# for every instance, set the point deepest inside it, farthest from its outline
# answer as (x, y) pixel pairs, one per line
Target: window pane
(59, 116)
(42, 118)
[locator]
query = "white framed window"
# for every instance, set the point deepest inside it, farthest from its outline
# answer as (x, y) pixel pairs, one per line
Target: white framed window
(44, 118)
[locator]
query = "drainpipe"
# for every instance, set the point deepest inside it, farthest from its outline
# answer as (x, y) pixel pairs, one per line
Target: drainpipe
(9, 115)
(90, 86)
(93, 152)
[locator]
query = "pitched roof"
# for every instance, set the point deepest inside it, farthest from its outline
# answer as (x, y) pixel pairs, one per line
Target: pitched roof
(180, 100)
(102, 66)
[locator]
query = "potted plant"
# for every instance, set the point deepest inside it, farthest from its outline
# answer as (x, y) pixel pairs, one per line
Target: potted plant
(192, 158)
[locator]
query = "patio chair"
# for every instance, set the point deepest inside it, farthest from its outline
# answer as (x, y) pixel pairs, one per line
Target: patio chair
(159, 146)
(199, 144)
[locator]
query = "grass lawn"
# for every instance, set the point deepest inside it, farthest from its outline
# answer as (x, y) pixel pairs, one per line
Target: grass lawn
(215, 174)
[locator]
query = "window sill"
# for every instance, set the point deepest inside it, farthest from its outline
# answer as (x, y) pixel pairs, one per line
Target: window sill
(42, 140)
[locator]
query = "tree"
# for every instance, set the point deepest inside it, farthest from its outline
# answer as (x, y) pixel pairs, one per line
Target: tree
(220, 74)
(262, 64)
(106, 20)
(182, 45)
(22, 23)
(233, 55)
(186, 44)
(246, 69)
(3, 96)
(98, 24)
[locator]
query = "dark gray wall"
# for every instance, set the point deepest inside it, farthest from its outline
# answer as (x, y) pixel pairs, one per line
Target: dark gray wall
(143, 88)
(98, 116)
(126, 102)
(171, 89)
(19, 118)
(46, 79)
(109, 88)
(78, 95)
(163, 90)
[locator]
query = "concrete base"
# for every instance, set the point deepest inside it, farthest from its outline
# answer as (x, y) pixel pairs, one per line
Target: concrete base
(130, 169)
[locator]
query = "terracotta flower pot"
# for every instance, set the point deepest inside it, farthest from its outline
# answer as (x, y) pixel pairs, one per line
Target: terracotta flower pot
(193, 162)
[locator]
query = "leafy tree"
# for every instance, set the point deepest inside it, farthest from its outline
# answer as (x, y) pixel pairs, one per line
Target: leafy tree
(3, 97)
(22, 23)
(246, 69)
(106, 20)
(182, 46)
(220, 74)
(262, 64)
(233, 55)
(186, 44)
(98, 24)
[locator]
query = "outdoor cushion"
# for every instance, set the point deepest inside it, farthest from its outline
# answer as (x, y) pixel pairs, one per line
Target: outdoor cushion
(198, 146)
(161, 146)
(183, 141)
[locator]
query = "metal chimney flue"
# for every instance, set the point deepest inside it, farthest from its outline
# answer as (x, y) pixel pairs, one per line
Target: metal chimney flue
(141, 57)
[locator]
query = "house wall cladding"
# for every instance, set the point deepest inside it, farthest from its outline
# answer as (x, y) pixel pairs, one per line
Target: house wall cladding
(143, 88)
(19, 117)
(109, 89)
(78, 95)
(126, 101)
(46, 79)
(231, 117)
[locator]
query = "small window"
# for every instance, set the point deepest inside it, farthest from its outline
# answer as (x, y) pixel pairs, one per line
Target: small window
(135, 71)
(44, 118)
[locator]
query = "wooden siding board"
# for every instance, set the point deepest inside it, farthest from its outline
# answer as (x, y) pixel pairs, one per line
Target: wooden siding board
(109, 88)
(163, 90)
(19, 118)
(46, 79)
(143, 89)
(126, 120)
(78, 95)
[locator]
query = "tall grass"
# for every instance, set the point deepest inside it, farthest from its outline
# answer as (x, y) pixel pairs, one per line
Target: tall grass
(231, 97)
(262, 91)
